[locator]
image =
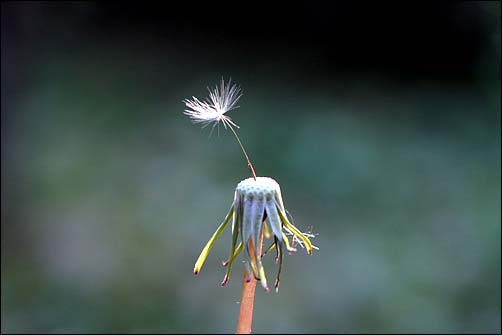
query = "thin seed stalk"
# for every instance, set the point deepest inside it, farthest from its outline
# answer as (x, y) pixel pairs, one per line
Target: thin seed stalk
(250, 165)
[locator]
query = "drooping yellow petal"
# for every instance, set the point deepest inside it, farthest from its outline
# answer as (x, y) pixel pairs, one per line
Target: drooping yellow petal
(203, 255)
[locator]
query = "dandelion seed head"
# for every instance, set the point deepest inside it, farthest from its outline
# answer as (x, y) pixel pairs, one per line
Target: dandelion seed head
(257, 207)
(222, 99)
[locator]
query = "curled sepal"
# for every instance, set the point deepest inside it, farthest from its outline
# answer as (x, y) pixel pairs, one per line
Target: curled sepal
(270, 247)
(236, 253)
(256, 218)
(247, 236)
(229, 263)
(233, 253)
(279, 259)
(203, 255)
(273, 218)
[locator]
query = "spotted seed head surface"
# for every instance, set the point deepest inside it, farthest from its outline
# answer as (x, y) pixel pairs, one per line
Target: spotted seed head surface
(263, 188)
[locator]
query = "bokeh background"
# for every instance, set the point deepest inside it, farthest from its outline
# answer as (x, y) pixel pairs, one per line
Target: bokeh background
(380, 122)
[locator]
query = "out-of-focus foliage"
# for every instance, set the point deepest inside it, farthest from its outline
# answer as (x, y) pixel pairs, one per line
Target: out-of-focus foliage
(109, 193)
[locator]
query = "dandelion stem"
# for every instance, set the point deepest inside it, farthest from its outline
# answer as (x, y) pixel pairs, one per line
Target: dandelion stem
(245, 318)
(245, 154)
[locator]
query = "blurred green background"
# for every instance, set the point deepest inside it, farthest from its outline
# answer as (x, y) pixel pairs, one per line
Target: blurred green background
(381, 124)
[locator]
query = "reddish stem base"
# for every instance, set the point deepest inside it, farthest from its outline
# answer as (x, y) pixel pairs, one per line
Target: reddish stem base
(245, 319)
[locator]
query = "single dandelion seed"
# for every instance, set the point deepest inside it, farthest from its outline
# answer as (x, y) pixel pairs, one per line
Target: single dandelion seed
(213, 109)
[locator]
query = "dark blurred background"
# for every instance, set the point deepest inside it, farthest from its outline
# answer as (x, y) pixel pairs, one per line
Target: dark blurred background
(381, 122)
